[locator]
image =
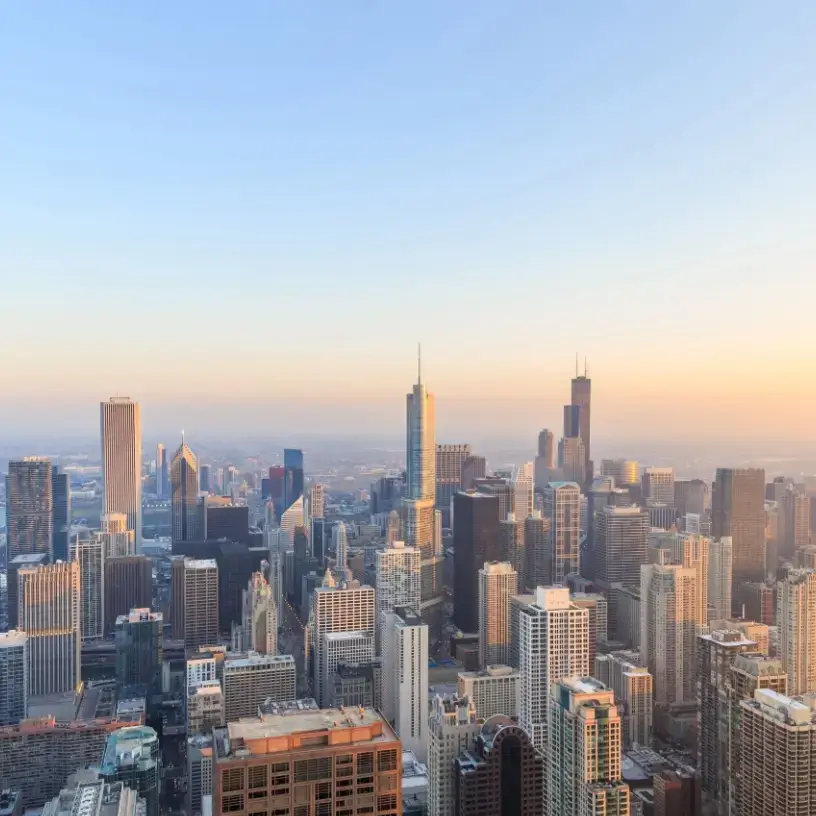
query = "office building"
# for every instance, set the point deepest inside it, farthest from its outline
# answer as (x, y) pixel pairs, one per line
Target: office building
(49, 608)
(511, 545)
(205, 707)
(357, 684)
(260, 616)
(738, 511)
(405, 678)
(777, 750)
(317, 501)
(796, 623)
(184, 494)
(117, 540)
(340, 545)
(121, 431)
(795, 509)
(449, 462)
(162, 482)
(562, 506)
(398, 580)
(13, 677)
(668, 627)
(553, 642)
(205, 484)
(218, 517)
(132, 756)
(16, 564)
(85, 793)
(546, 447)
(676, 792)
(61, 504)
(250, 680)
(500, 487)
(581, 396)
(473, 468)
(584, 752)
(200, 586)
(277, 479)
(29, 507)
(452, 728)
(690, 496)
(343, 649)
(493, 690)
(537, 545)
(598, 608)
(628, 613)
(292, 476)
(720, 561)
(199, 773)
(292, 518)
(346, 608)
(498, 582)
(523, 483)
(140, 649)
(717, 653)
(623, 471)
(572, 459)
(658, 485)
(502, 773)
(128, 585)
(633, 687)
(475, 542)
(89, 554)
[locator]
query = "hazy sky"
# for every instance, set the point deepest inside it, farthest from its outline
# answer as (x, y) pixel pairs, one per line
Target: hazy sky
(246, 214)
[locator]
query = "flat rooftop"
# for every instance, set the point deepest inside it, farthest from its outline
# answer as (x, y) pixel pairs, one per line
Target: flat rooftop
(200, 563)
(92, 701)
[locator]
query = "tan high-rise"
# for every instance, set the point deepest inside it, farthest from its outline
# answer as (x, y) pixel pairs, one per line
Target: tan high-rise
(498, 582)
(796, 622)
(200, 602)
(121, 427)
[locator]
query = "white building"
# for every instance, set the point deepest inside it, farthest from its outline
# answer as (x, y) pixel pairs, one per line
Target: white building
(523, 484)
(121, 431)
(720, 560)
(251, 679)
(658, 485)
(796, 621)
(398, 580)
(90, 556)
(405, 678)
(498, 582)
(494, 690)
(205, 707)
(117, 539)
(199, 670)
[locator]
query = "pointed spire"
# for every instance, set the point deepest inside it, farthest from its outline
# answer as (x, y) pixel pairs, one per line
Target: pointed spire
(419, 364)
(585, 367)
(182, 437)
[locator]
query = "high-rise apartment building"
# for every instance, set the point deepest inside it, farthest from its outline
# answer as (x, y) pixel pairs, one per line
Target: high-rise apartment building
(494, 690)
(498, 582)
(546, 448)
(49, 609)
(89, 554)
(20, 562)
(118, 540)
(140, 649)
(13, 677)
(633, 686)
(29, 507)
(132, 756)
(553, 642)
(475, 541)
(249, 681)
(796, 623)
(738, 510)
(162, 486)
(512, 546)
(205, 707)
(121, 427)
(777, 750)
(658, 485)
(200, 587)
(689, 550)
(61, 504)
(351, 760)
(184, 494)
(349, 607)
(503, 773)
(796, 511)
(473, 468)
(537, 548)
(523, 483)
(720, 564)
(405, 678)
(597, 606)
(452, 728)
(398, 580)
(623, 471)
(572, 459)
(562, 506)
(449, 462)
(584, 751)
(669, 609)
(128, 585)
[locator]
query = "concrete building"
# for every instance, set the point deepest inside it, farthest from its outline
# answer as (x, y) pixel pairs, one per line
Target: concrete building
(511, 546)
(29, 507)
(633, 687)
(117, 539)
(352, 759)
(121, 432)
(398, 580)
(140, 649)
(250, 680)
(132, 756)
(598, 608)
(205, 707)
(498, 582)
(690, 496)
(128, 585)
(493, 690)
(49, 605)
(720, 565)
(562, 506)
(200, 602)
(584, 751)
(658, 485)
(628, 614)
(523, 484)
(452, 728)
(357, 685)
(13, 677)
(260, 616)
(777, 751)
(449, 462)
(199, 773)
(796, 622)
(623, 471)
(19, 562)
(90, 556)
(87, 794)
(405, 678)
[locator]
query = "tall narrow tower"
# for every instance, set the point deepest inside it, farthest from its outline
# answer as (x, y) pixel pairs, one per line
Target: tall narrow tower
(121, 428)
(184, 491)
(582, 397)
(29, 498)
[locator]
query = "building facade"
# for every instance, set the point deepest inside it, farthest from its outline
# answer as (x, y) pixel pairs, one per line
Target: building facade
(29, 507)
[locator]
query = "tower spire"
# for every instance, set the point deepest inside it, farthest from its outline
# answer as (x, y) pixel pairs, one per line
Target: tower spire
(419, 364)
(585, 367)
(182, 437)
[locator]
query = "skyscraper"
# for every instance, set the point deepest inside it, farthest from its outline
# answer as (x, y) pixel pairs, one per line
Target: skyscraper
(584, 751)
(581, 395)
(340, 542)
(204, 478)
(562, 505)
(475, 541)
(796, 622)
(117, 539)
(121, 426)
(658, 485)
(128, 585)
(200, 602)
(13, 677)
(49, 614)
(89, 554)
(252, 679)
(633, 685)
(132, 756)
(449, 462)
(292, 476)
(405, 678)
(720, 555)
(474, 467)
(624, 471)
(16, 564)
(523, 482)
(572, 459)
(318, 501)
(161, 471)
(512, 546)
(29, 507)
(546, 448)
(498, 582)
(140, 649)
(260, 616)
(61, 502)
(738, 510)
(537, 548)
(184, 494)
(398, 580)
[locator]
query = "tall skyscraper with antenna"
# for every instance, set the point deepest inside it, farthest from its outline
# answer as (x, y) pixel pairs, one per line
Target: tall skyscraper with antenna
(121, 431)
(582, 397)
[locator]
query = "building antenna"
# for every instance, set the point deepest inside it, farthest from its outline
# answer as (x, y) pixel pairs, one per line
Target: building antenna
(182, 437)
(419, 364)
(585, 368)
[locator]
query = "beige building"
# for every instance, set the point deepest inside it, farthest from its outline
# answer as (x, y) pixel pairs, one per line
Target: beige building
(493, 690)
(205, 707)
(498, 582)
(633, 687)
(796, 622)
(720, 560)
(200, 602)
(250, 680)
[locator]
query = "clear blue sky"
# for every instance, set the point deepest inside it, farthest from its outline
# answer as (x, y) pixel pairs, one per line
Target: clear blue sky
(262, 206)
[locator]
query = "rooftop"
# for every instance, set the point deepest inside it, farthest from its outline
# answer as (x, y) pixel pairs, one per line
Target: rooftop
(200, 563)
(12, 638)
(129, 746)
(274, 707)
(139, 616)
(93, 700)
(489, 671)
(29, 558)
(256, 659)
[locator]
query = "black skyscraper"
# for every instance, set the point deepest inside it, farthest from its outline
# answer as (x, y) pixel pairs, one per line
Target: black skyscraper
(61, 492)
(293, 476)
